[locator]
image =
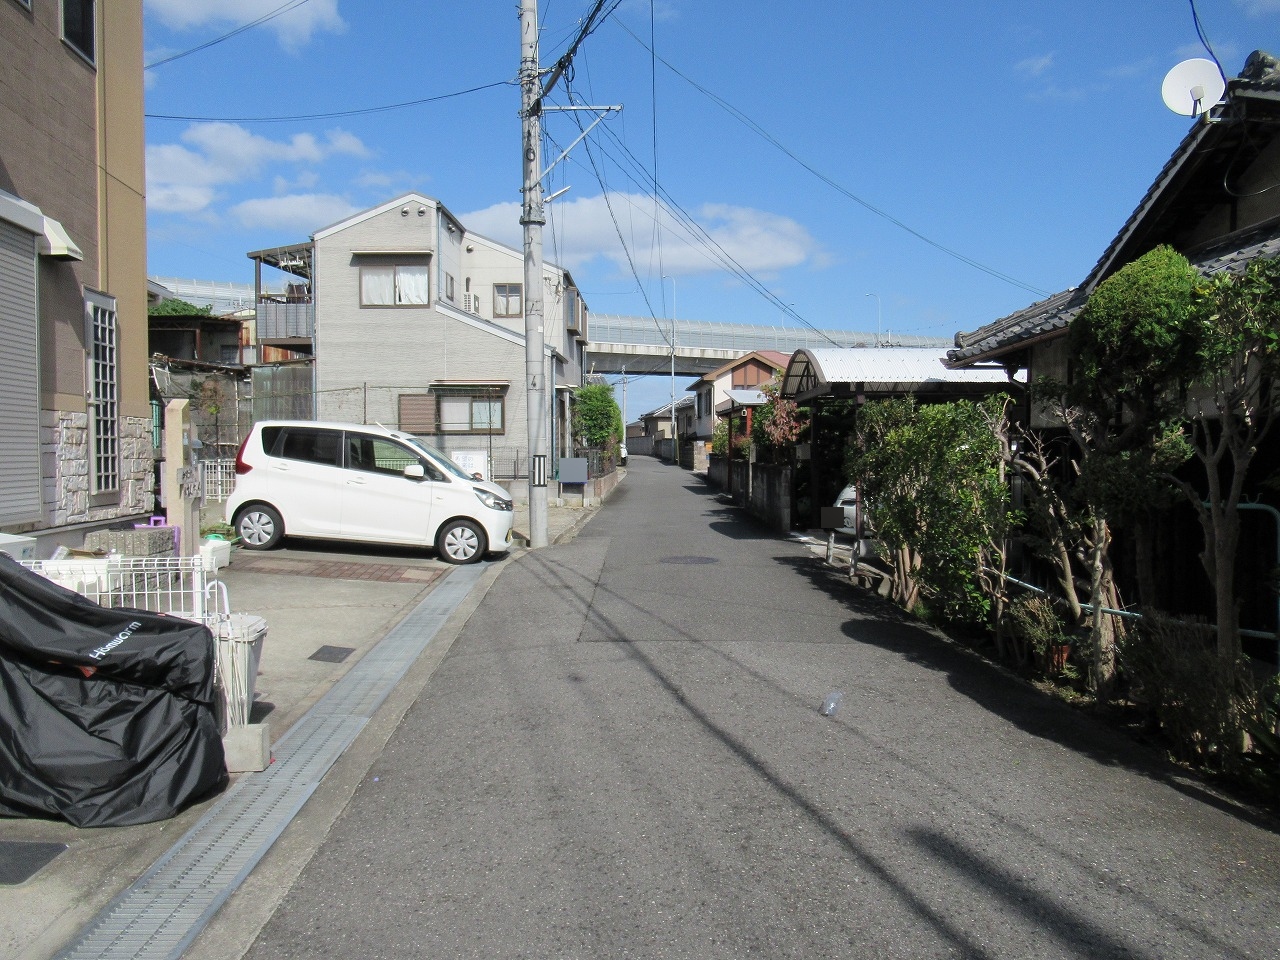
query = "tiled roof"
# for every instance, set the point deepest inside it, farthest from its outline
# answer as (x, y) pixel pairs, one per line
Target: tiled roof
(1236, 251)
(1052, 316)
(1178, 195)
(1007, 333)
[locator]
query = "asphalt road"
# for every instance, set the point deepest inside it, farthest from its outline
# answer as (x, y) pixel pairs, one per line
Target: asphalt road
(623, 755)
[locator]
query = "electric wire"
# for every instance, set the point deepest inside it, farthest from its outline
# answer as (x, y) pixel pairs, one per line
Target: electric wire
(697, 234)
(657, 219)
(622, 240)
(761, 132)
(361, 111)
(1204, 41)
(278, 11)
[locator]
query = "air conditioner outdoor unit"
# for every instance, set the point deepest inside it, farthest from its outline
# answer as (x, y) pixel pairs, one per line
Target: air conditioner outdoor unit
(471, 302)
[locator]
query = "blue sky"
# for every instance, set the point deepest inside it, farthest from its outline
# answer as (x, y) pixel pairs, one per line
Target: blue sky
(931, 165)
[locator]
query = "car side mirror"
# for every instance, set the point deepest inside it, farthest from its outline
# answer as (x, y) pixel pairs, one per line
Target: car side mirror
(415, 471)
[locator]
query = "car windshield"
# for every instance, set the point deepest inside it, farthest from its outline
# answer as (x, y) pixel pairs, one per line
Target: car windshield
(439, 459)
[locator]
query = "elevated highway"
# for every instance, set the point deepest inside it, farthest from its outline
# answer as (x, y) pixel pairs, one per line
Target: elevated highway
(638, 345)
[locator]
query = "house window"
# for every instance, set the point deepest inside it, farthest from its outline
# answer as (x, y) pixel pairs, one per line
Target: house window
(104, 393)
(77, 26)
(395, 285)
(448, 287)
(507, 300)
(472, 413)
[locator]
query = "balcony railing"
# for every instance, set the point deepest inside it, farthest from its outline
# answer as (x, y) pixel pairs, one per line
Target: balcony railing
(278, 320)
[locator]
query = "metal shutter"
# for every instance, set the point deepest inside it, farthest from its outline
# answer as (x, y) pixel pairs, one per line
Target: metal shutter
(19, 378)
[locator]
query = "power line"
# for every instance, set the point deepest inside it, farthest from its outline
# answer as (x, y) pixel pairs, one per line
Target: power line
(696, 233)
(1195, 18)
(843, 191)
(337, 113)
(278, 11)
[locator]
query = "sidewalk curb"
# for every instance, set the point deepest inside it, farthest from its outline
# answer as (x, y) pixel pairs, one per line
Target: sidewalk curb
(233, 930)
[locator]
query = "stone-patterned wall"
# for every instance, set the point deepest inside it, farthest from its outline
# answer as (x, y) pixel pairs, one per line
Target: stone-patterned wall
(64, 457)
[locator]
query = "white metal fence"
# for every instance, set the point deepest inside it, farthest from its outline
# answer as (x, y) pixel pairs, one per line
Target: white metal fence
(217, 479)
(182, 587)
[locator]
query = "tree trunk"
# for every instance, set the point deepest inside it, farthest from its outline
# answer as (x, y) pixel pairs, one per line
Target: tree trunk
(1221, 522)
(1226, 539)
(1144, 560)
(1102, 633)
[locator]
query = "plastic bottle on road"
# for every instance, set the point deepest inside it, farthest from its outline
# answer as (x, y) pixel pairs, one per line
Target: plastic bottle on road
(832, 703)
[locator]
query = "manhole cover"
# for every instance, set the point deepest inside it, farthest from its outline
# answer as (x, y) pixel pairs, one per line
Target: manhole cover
(328, 654)
(690, 560)
(21, 860)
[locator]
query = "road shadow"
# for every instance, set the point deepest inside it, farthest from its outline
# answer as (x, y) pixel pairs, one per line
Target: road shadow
(1078, 929)
(882, 624)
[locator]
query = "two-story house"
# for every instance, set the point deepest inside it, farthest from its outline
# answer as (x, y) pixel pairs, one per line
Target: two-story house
(711, 391)
(75, 416)
(416, 323)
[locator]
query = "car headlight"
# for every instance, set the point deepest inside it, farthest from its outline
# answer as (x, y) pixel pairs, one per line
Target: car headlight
(491, 500)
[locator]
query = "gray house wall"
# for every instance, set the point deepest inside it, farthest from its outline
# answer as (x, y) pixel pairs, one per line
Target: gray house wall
(369, 357)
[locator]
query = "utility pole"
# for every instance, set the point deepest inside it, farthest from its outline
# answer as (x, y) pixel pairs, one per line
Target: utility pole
(532, 219)
(532, 91)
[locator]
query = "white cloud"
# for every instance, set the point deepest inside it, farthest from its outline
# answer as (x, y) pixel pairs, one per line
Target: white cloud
(180, 175)
(175, 198)
(583, 230)
(1034, 66)
(305, 180)
(1259, 8)
(294, 29)
(299, 212)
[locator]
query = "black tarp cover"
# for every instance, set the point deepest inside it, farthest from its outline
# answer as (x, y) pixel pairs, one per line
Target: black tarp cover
(106, 715)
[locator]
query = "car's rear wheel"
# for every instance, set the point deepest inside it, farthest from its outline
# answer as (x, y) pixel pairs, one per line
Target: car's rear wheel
(461, 541)
(259, 527)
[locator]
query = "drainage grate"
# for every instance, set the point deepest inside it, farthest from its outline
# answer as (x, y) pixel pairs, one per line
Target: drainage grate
(329, 654)
(161, 914)
(20, 860)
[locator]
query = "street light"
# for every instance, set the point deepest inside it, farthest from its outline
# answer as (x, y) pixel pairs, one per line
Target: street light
(877, 296)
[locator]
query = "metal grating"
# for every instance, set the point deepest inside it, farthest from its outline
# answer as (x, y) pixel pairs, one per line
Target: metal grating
(164, 911)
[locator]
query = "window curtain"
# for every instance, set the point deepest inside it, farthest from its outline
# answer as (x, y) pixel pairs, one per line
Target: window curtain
(377, 285)
(413, 284)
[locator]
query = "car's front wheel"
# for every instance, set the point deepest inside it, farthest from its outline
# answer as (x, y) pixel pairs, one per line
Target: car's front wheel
(461, 541)
(259, 527)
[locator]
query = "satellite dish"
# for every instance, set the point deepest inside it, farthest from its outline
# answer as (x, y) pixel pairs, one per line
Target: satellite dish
(1193, 87)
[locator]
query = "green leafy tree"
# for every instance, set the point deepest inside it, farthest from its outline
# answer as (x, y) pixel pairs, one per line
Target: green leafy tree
(1234, 403)
(597, 420)
(778, 423)
(174, 307)
(1134, 343)
(720, 438)
(933, 484)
